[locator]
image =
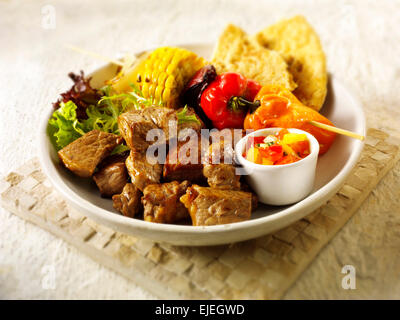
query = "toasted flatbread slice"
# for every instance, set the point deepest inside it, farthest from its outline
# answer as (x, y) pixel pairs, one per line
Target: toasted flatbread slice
(300, 46)
(235, 52)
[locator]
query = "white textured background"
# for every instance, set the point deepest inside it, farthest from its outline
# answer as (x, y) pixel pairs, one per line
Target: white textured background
(361, 39)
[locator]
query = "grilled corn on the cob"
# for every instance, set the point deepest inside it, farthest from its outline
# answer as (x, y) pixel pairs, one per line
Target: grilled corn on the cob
(162, 74)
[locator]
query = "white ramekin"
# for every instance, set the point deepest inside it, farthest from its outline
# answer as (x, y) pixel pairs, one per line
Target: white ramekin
(280, 184)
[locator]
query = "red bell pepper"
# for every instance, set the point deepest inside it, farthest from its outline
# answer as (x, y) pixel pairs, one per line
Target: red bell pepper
(227, 99)
(273, 153)
(252, 141)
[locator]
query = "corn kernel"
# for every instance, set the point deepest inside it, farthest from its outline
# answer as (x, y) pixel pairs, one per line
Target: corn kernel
(170, 82)
(145, 89)
(163, 74)
(158, 93)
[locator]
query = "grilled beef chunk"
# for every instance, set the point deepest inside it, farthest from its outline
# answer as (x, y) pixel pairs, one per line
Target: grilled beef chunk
(220, 152)
(218, 166)
(128, 202)
(135, 124)
(84, 154)
(112, 176)
(210, 206)
(186, 128)
(161, 117)
(119, 157)
(161, 202)
(221, 176)
(134, 127)
(184, 161)
(141, 171)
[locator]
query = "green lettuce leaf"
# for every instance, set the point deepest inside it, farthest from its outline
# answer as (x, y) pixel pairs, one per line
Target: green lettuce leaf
(65, 127)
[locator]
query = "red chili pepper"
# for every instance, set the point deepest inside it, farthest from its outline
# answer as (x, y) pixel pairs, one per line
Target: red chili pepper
(227, 99)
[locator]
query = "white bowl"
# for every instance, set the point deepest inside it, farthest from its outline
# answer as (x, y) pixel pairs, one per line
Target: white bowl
(280, 184)
(341, 107)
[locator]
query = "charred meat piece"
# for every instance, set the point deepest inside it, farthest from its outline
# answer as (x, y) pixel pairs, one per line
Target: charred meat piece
(134, 127)
(221, 176)
(119, 157)
(128, 202)
(112, 176)
(174, 123)
(143, 171)
(220, 152)
(218, 166)
(210, 206)
(184, 161)
(161, 202)
(84, 154)
(135, 124)
(161, 117)
(188, 122)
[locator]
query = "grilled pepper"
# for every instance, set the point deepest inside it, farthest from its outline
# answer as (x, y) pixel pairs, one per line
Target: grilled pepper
(227, 99)
(280, 108)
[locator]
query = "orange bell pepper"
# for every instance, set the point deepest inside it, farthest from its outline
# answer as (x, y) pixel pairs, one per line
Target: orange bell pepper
(280, 108)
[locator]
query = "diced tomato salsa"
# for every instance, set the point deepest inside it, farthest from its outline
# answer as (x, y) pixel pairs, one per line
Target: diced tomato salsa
(281, 148)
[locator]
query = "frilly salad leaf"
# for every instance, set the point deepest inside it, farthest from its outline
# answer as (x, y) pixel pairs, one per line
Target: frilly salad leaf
(65, 126)
(130, 100)
(81, 93)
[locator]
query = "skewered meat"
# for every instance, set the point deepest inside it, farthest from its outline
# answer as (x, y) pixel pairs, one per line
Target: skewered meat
(84, 154)
(161, 202)
(143, 170)
(210, 206)
(128, 202)
(134, 127)
(112, 176)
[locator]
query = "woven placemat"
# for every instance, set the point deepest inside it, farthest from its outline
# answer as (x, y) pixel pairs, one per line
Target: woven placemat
(262, 268)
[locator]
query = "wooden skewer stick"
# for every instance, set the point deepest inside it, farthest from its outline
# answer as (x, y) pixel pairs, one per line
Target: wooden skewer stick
(94, 54)
(337, 130)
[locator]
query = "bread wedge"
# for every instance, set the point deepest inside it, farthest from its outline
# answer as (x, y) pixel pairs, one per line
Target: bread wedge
(235, 52)
(300, 46)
